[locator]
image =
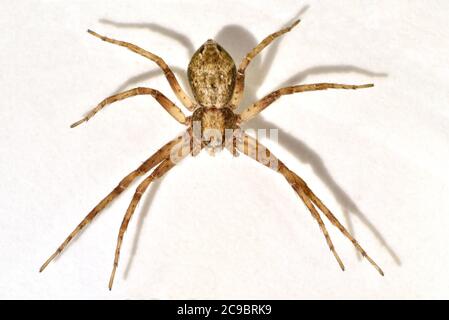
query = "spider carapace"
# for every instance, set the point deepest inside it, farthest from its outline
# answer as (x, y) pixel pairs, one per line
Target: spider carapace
(217, 86)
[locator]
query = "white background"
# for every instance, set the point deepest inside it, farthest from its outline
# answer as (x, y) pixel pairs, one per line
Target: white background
(218, 227)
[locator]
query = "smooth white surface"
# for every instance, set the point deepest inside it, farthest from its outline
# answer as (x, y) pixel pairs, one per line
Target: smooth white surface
(222, 227)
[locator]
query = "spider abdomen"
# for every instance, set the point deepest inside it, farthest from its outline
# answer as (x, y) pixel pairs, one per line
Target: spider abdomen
(212, 75)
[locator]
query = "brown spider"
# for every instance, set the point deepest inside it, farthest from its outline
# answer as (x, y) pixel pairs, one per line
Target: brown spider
(218, 89)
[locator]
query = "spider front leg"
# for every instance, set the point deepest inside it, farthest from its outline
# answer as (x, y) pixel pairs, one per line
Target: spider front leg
(335, 221)
(171, 78)
(164, 167)
(320, 221)
(176, 155)
(257, 107)
(150, 163)
(252, 148)
(166, 103)
(240, 79)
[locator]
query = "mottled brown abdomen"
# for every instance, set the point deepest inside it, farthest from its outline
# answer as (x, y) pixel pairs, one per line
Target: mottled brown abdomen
(212, 75)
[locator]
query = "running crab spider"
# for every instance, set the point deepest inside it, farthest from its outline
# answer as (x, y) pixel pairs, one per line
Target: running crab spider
(217, 86)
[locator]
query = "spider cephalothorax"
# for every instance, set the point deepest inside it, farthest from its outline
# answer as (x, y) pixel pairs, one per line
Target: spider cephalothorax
(217, 88)
(213, 127)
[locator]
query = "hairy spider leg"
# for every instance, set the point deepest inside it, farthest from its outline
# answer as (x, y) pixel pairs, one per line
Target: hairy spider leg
(166, 103)
(257, 107)
(171, 78)
(320, 221)
(247, 145)
(159, 156)
(240, 79)
(163, 168)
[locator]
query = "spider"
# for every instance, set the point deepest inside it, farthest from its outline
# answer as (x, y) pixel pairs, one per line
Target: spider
(217, 86)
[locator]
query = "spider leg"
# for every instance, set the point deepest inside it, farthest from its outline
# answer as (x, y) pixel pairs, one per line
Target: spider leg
(150, 163)
(240, 79)
(160, 170)
(171, 78)
(257, 107)
(320, 221)
(252, 148)
(166, 103)
(342, 229)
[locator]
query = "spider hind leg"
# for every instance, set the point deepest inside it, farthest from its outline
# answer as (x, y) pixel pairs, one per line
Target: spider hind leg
(168, 73)
(237, 94)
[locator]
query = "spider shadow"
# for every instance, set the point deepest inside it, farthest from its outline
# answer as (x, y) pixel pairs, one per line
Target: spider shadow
(238, 41)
